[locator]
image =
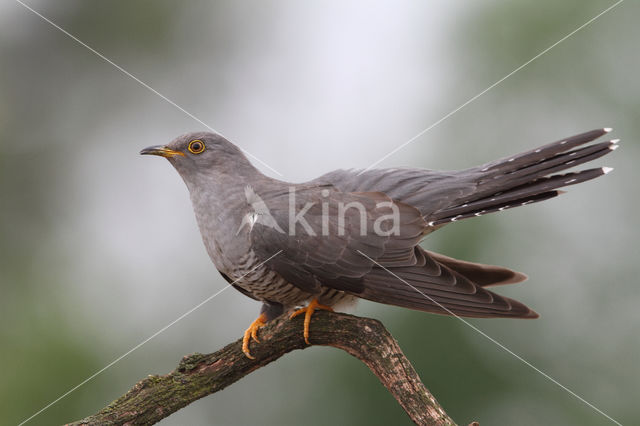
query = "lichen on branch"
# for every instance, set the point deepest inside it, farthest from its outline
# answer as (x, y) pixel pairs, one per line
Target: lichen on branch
(199, 375)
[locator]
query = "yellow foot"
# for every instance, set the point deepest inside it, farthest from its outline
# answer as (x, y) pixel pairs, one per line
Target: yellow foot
(308, 312)
(252, 333)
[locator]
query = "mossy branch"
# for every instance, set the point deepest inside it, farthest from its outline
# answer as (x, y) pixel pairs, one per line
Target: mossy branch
(199, 375)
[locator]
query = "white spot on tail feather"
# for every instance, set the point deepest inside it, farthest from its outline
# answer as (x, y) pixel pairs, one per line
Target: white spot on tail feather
(606, 170)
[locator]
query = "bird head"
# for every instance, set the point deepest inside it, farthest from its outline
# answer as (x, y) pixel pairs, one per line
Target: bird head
(200, 155)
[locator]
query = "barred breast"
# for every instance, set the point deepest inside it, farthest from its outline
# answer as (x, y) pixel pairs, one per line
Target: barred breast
(267, 285)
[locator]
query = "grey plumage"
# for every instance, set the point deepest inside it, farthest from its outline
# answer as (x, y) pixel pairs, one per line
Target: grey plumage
(332, 259)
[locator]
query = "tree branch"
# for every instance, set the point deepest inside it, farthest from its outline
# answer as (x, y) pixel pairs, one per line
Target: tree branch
(198, 375)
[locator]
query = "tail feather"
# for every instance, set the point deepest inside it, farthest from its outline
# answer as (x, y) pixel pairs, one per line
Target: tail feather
(491, 206)
(557, 163)
(479, 273)
(539, 190)
(533, 156)
(528, 177)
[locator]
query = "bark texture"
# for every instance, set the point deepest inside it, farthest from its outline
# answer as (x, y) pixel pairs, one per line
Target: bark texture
(199, 375)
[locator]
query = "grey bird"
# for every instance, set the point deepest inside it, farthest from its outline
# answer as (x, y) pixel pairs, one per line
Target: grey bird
(355, 234)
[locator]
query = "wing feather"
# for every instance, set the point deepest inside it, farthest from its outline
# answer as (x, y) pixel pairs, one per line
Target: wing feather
(390, 269)
(327, 248)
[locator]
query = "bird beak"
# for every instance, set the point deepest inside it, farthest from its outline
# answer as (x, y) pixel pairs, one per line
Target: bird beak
(160, 150)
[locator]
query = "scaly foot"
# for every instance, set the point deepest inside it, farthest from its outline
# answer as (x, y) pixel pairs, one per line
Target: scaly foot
(252, 333)
(308, 312)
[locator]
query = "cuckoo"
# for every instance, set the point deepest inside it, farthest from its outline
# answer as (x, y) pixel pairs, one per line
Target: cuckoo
(349, 234)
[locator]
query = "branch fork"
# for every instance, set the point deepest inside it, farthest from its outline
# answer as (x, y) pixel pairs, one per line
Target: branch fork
(199, 375)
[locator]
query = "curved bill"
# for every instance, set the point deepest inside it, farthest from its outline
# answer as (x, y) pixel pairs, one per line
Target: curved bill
(160, 150)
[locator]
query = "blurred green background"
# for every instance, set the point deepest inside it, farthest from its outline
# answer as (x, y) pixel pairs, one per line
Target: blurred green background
(99, 247)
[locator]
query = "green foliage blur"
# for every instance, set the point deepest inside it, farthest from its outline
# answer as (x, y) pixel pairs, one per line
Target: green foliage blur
(99, 248)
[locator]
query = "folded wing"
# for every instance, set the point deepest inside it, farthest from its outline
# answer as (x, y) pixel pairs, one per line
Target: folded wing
(390, 269)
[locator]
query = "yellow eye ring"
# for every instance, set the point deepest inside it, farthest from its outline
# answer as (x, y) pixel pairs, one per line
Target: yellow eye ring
(196, 146)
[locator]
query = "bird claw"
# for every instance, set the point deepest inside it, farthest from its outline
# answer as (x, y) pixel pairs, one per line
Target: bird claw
(252, 333)
(308, 313)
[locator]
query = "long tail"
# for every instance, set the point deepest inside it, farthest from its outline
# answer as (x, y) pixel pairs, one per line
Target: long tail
(528, 177)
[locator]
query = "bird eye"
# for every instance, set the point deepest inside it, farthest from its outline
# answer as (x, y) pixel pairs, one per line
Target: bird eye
(196, 146)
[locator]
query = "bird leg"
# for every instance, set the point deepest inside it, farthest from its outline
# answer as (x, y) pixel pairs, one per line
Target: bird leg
(308, 312)
(252, 333)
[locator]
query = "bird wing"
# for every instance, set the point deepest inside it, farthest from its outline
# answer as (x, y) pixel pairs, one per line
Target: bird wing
(330, 236)
(442, 285)
(427, 190)
(390, 269)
